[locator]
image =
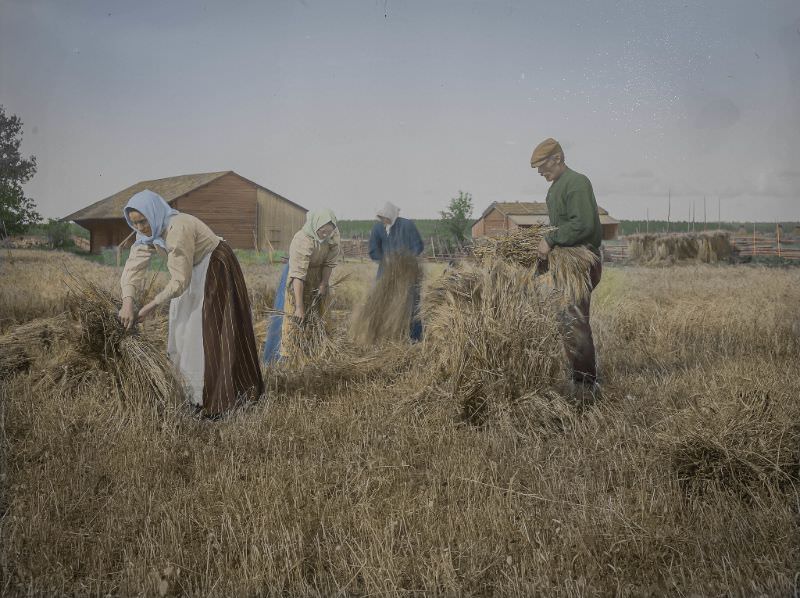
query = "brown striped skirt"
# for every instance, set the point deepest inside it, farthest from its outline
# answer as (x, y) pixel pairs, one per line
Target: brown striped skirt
(232, 374)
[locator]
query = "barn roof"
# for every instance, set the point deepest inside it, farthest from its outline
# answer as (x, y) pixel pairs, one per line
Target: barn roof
(533, 208)
(170, 188)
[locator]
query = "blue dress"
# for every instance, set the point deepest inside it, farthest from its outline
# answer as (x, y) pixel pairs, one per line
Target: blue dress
(272, 346)
(402, 237)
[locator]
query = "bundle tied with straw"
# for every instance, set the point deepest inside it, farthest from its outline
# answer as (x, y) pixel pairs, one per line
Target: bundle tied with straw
(492, 335)
(136, 362)
(566, 269)
(387, 312)
(312, 339)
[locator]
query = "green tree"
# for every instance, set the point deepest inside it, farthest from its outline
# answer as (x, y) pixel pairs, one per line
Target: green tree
(457, 218)
(17, 212)
(58, 234)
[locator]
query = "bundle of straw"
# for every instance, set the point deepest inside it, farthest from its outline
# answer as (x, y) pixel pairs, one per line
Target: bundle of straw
(492, 334)
(520, 246)
(386, 314)
(138, 365)
(567, 268)
(313, 339)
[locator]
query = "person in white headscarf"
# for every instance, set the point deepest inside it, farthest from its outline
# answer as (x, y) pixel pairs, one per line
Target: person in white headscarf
(211, 339)
(394, 234)
(303, 289)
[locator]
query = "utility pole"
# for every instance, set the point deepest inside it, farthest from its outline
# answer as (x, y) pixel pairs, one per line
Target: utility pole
(647, 221)
(669, 206)
(705, 222)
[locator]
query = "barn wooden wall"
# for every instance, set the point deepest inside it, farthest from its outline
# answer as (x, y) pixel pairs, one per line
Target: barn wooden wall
(228, 206)
(245, 215)
(278, 221)
(494, 223)
(105, 233)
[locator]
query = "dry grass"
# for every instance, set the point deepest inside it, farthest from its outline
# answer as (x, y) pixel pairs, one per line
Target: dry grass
(681, 481)
(36, 289)
(20, 346)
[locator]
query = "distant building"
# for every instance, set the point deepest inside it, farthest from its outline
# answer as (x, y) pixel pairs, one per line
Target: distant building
(244, 213)
(501, 217)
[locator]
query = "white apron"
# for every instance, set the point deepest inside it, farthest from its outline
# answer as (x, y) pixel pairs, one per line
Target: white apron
(185, 339)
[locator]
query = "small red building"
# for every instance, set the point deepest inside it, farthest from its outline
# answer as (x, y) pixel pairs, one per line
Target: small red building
(502, 217)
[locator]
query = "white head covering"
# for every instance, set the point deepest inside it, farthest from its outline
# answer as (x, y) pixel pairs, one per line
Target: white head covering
(391, 212)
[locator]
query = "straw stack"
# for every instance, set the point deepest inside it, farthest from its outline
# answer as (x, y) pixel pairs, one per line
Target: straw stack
(707, 247)
(492, 334)
(566, 269)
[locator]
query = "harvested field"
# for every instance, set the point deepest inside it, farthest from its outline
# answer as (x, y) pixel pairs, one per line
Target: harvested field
(362, 477)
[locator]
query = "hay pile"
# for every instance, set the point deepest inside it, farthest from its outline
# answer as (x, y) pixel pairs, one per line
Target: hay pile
(566, 268)
(88, 342)
(707, 247)
(386, 314)
(492, 334)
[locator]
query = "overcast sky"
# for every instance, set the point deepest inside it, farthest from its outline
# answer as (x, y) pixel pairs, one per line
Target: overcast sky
(348, 104)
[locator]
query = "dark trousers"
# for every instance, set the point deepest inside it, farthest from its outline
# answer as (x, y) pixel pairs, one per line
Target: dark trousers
(579, 342)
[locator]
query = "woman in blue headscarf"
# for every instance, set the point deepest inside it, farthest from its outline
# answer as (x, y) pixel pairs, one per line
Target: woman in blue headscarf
(211, 339)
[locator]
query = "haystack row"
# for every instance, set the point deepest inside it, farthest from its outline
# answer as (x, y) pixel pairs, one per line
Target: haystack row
(706, 247)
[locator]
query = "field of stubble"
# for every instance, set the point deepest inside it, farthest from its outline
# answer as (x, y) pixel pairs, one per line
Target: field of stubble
(682, 480)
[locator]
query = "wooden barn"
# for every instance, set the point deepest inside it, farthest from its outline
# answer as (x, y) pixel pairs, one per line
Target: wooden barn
(244, 213)
(500, 217)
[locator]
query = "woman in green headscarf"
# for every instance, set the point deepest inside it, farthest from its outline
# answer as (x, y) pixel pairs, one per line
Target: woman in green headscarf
(303, 293)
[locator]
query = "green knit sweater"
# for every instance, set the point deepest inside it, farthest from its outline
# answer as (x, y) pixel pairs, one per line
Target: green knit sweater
(573, 209)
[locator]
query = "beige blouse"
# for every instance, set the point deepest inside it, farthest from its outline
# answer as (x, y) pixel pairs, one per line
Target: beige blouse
(305, 253)
(188, 240)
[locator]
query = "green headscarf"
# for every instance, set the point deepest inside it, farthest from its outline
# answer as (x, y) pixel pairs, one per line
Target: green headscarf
(315, 220)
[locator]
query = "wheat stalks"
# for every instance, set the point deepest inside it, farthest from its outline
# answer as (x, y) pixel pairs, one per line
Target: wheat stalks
(567, 268)
(387, 311)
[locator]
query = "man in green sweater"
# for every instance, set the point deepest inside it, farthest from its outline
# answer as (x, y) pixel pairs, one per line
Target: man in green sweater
(573, 210)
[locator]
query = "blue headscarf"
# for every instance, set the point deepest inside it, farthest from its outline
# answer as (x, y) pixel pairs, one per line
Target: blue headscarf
(158, 213)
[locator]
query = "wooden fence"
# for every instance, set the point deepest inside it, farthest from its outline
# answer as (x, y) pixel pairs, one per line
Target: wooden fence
(767, 246)
(435, 250)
